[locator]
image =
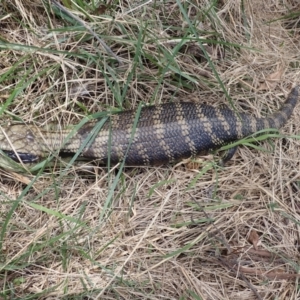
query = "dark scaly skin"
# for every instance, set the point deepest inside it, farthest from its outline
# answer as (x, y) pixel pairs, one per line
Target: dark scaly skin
(164, 133)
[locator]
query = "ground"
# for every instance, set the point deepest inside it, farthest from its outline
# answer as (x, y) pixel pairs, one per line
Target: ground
(190, 230)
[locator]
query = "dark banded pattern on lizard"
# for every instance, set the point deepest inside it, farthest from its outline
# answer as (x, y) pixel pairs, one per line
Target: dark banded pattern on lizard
(163, 133)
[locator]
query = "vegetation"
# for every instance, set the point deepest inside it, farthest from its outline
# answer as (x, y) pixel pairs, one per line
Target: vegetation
(193, 230)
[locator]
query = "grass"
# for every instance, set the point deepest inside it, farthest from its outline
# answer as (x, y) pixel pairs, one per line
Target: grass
(192, 230)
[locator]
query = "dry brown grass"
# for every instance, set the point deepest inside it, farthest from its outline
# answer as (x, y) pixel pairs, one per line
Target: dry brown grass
(158, 234)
